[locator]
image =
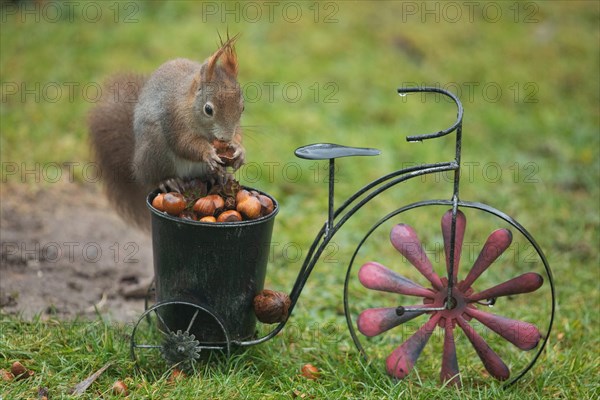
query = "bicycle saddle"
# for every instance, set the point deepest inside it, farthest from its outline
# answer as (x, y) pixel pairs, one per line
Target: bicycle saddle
(328, 151)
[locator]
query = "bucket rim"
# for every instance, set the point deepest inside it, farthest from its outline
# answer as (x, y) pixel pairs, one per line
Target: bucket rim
(163, 214)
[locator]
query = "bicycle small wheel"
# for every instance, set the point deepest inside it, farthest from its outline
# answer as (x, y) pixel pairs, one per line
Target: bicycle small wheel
(150, 297)
(162, 342)
(404, 315)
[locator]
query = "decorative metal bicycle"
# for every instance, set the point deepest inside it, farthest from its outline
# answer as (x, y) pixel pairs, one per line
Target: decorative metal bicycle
(504, 342)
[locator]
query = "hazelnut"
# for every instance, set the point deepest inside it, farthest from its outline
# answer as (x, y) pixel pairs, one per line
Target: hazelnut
(271, 306)
(120, 388)
(208, 218)
(225, 152)
(217, 201)
(250, 207)
(176, 375)
(229, 216)
(205, 206)
(173, 203)
(266, 204)
(158, 202)
(19, 371)
(189, 215)
(6, 375)
(227, 157)
(220, 145)
(229, 203)
(242, 195)
(309, 371)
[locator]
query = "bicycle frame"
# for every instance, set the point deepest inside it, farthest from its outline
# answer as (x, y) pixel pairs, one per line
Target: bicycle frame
(365, 194)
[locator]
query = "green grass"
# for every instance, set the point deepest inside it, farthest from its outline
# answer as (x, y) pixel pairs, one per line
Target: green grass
(532, 151)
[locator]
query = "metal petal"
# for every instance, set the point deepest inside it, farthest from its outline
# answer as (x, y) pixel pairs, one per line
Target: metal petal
(405, 240)
(375, 321)
(528, 282)
(461, 224)
(378, 277)
(496, 244)
(450, 372)
(403, 358)
(491, 361)
(522, 334)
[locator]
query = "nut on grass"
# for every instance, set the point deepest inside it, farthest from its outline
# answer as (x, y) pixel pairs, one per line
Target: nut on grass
(120, 388)
(176, 375)
(6, 376)
(20, 372)
(309, 371)
(271, 306)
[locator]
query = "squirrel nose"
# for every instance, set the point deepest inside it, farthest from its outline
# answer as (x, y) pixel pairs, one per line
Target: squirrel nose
(225, 136)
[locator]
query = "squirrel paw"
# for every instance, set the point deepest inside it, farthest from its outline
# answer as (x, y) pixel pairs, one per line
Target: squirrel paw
(239, 155)
(215, 164)
(172, 185)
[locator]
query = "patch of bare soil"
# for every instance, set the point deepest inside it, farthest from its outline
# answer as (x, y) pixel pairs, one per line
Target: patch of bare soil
(65, 253)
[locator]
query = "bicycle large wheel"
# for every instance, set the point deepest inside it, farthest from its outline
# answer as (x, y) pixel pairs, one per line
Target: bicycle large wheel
(496, 321)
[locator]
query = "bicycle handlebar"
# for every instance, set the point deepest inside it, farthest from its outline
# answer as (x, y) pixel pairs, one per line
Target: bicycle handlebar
(419, 138)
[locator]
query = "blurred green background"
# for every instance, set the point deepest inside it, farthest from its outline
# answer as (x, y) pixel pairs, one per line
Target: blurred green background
(526, 72)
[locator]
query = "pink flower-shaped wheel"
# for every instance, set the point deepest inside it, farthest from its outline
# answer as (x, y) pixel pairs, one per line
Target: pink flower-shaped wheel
(446, 313)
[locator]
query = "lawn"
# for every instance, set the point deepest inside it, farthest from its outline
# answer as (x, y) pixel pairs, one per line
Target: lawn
(527, 74)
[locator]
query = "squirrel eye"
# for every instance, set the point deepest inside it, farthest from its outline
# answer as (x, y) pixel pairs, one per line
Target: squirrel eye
(208, 110)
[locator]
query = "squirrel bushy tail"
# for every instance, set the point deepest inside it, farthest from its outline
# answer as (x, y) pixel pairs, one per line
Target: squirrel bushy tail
(113, 143)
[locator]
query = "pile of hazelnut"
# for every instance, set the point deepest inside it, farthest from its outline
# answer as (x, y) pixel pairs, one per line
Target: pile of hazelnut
(227, 202)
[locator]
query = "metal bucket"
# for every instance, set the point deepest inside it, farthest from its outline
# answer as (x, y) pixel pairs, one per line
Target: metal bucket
(217, 266)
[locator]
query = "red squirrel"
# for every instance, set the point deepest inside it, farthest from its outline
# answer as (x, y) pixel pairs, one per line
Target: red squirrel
(156, 131)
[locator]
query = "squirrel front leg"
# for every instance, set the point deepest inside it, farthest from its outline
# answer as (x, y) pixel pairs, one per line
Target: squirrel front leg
(197, 148)
(239, 153)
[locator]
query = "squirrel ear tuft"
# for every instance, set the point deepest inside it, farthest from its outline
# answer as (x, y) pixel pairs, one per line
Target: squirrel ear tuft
(229, 60)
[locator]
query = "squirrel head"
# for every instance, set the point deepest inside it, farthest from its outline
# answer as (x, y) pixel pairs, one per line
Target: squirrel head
(218, 101)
